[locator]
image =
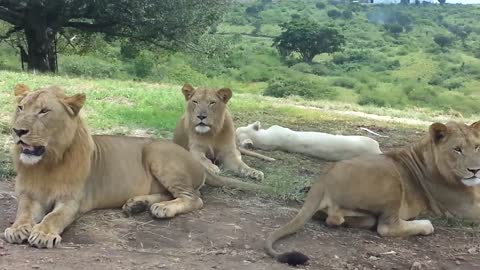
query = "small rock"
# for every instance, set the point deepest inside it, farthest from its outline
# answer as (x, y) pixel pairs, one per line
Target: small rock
(472, 250)
(247, 247)
(457, 262)
(161, 266)
(416, 266)
(336, 257)
(50, 260)
(35, 266)
(373, 258)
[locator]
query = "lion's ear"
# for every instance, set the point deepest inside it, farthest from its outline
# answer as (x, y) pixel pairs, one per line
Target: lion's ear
(224, 94)
(256, 126)
(438, 132)
(75, 103)
(20, 90)
(476, 125)
(187, 91)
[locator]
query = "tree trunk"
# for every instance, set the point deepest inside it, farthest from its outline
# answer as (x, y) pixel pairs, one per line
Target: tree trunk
(40, 39)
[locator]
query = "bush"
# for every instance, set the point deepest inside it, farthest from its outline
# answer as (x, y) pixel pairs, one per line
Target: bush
(442, 40)
(301, 87)
(383, 97)
(143, 65)
(347, 14)
(320, 5)
(345, 82)
(333, 13)
(89, 66)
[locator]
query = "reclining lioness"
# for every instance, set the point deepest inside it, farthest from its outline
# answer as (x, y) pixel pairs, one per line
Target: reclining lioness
(63, 171)
(438, 174)
(315, 144)
(206, 129)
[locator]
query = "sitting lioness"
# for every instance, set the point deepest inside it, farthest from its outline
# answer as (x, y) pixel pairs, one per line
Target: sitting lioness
(439, 174)
(63, 171)
(206, 129)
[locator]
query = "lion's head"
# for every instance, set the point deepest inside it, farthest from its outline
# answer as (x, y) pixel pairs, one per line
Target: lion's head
(44, 123)
(456, 151)
(206, 108)
(244, 134)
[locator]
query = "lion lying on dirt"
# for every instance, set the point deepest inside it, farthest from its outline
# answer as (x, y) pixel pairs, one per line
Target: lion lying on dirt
(316, 144)
(207, 131)
(438, 174)
(63, 171)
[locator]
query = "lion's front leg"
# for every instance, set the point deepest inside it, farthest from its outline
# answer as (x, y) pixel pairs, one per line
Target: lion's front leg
(46, 234)
(28, 211)
(207, 163)
(233, 161)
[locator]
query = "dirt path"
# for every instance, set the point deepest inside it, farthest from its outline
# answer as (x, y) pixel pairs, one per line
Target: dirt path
(228, 234)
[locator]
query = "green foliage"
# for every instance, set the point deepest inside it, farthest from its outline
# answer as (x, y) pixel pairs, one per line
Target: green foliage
(334, 13)
(442, 40)
(303, 87)
(89, 66)
(320, 5)
(394, 29)
(308, 38)
(143, 65)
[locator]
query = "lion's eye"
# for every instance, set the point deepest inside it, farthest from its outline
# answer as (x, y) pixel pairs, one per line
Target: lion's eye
(458, 150)
(19, 108)
(44, 111)
(213, 103)
(195, 102)
(477, 147)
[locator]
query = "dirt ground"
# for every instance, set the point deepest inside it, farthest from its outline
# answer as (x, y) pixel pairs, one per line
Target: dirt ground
(228, 234)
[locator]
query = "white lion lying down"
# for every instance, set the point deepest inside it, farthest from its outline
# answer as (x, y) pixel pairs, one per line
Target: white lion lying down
(321, 145)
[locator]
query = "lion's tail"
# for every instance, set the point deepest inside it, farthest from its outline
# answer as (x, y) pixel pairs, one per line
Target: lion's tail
(222, 181)
(310, 207)
(254, 154)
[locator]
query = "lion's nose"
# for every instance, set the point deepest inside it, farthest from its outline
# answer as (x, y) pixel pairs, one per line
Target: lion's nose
(201, 116)
(474, 171)
(20, 132)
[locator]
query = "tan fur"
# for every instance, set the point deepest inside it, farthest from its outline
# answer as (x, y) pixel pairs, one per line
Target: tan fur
(79, 172)
(438, 174)
(215, 140)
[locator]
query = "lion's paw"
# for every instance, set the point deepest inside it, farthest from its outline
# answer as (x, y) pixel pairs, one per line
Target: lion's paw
(18, 234)
(252, 173)
(213, 169)
(133, 206)
(426, 226)
(163, 210)
(41, 239)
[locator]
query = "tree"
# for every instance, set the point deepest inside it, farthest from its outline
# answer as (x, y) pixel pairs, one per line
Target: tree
(333, 13)
(442, 2)
(442, 40)
(308, 38)
(167, 23)
(395, 28)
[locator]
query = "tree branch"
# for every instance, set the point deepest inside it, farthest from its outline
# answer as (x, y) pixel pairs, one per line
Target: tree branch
(9, 16)
(90, 27)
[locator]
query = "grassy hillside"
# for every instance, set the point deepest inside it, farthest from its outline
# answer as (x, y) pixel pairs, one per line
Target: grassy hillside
(376, 68)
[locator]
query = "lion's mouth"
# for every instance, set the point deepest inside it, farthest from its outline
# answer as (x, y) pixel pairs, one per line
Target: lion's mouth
(31, 150)
(471, 181)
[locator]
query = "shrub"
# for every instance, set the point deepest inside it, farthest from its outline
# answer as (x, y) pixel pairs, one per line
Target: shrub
(333, 13)
(383, 97)
(299, 87)
(442, 40)
(143, 65)
(345, 82)
(320, 5)
(347, 14)
(89, 66)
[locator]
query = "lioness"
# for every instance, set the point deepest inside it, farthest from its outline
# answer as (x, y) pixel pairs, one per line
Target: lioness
(316, 144)
(206, 129)
(63, 171)
(438, 174)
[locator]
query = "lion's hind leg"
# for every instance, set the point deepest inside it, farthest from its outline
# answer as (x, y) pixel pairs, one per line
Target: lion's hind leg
(141, 203)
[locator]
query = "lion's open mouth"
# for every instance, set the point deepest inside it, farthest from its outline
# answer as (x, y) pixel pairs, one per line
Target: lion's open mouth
(31, 150)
